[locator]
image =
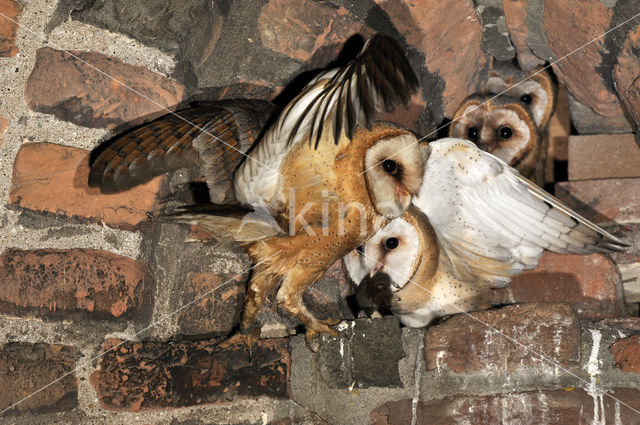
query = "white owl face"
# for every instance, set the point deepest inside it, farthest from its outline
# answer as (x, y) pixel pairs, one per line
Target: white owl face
(393, 170)
(538, 92)
(500, 126)
(393, 250)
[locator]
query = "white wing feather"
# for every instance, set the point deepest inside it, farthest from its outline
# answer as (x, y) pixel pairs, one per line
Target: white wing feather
(493, 223)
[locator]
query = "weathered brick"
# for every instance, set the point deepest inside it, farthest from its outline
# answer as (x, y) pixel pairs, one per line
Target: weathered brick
(76, 89)
(568, 26)
(9, 22)
(625, 75)
(467, 344)
(626, 353)
(588, 283)
(54, 178)
(602, 156)
(216, 303)
(327, 297)
(243, 90)
(450, 36)
(515, 12)
(306, 28)
(157, 375)
(25, 371)
(74, 283)
(365, 355)
(535, 407)
(603, 200)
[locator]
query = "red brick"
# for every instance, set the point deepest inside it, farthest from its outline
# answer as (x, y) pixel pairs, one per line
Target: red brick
(300, 29)
(568, 26)
(53, 178)
(626, 353)
(588, 283)
(4, 125)
(625, 74)
(603, 200)
(450, 35)
(558, 407)
(602, 156)
(218, 308)
(515, 12)
(467, 344)
(409, 116)
(77, 89)
(157, 375)
(9, 27)
(25, 369)
(74, 283)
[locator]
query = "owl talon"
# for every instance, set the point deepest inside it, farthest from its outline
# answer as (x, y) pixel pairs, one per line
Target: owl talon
(330, 321)
(246, 336)
(318, 328)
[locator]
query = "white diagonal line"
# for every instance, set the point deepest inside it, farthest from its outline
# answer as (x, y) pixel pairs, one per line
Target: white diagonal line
(166, 316)
(526, 347)
(504, 91)
(141, 94)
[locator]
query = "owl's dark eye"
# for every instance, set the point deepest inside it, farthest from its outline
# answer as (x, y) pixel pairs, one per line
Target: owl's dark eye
(472, 133)
(390, 166)
(360, 249)
(526, 98)
(505, 132)
(391, 243)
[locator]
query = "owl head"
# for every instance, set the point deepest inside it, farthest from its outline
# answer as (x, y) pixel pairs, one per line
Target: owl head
(393, 168)
(538, 92)
(393, 250)
(502, 126)
(403, 268)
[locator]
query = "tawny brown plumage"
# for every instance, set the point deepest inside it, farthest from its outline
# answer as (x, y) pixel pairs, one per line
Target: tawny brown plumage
(319, 182)
(504, 127)
(536, 88)
(212, 136)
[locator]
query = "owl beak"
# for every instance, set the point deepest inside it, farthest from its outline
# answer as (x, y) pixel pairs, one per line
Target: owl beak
(378, 268)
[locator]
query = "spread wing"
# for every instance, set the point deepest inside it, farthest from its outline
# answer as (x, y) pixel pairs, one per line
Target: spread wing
(493, 223)
(212, 136)
(337, 101)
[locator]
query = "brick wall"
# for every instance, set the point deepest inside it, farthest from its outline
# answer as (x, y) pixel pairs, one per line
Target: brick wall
(111, 316)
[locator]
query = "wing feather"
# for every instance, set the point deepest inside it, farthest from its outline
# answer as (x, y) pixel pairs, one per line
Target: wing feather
(338, 100)
(494, 223)
(196, 137)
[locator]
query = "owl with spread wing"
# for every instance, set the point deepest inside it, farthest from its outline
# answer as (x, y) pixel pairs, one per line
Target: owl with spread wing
(445, 252)
(316, 183)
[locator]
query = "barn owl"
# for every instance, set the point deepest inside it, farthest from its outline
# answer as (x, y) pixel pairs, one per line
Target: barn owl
(539, 91)
(504, 127)
(319, 182)
(444, 253)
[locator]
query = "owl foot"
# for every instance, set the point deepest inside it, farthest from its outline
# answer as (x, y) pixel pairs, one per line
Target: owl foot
(246, 336)
(319, 327)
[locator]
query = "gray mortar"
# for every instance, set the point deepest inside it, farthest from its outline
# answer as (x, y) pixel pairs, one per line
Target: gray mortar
(536, 40)
(495, 36)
